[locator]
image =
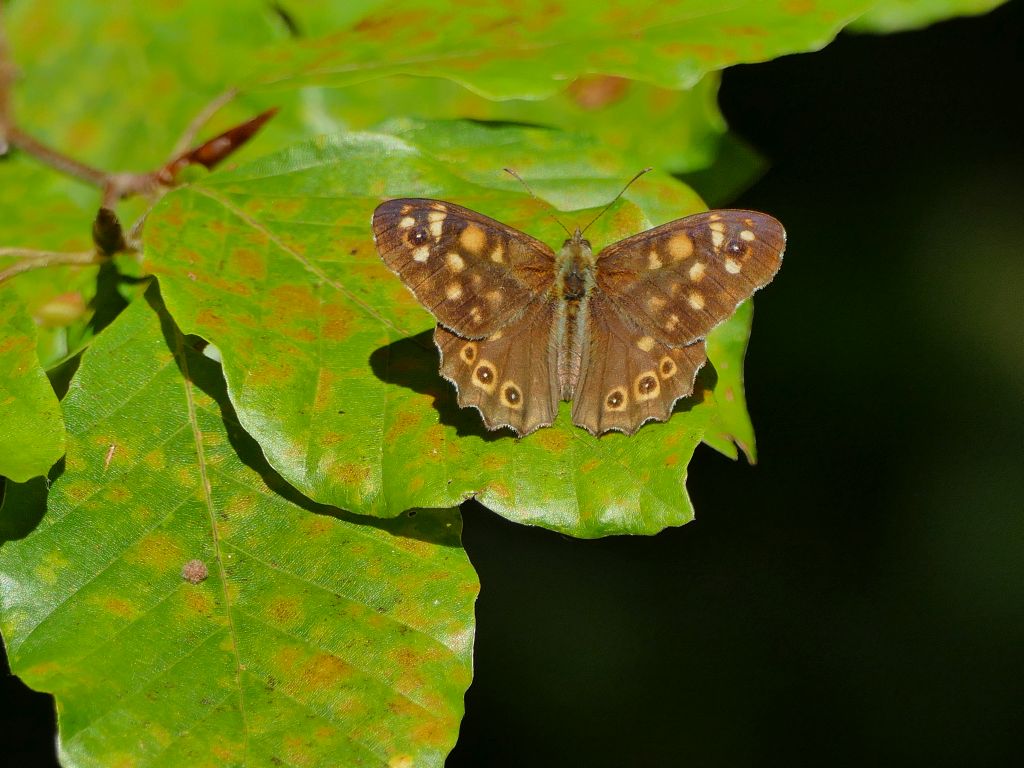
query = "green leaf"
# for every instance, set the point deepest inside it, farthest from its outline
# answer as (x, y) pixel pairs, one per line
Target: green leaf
(32, 431)
(900, 15)
(730, 424)
(530, 50)
(328, 357)
(620, 113)
(187, 607)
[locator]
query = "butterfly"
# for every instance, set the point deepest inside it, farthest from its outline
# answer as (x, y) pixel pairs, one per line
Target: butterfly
(620, 334)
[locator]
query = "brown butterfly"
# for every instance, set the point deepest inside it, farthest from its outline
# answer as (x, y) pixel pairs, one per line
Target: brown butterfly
(621, 334)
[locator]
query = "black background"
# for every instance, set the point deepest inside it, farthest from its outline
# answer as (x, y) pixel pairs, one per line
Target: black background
(858, 596)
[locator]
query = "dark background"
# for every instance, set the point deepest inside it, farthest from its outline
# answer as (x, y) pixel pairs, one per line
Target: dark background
(858, 597)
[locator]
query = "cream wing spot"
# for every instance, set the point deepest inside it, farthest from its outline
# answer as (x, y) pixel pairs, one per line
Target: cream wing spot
(667, 367)
(496, 335)
(453, 291)
(732, 266)
(680, 246)
(645, 343)
(468, 352)
(472, 238)
(697, 271)
(653, 260)
(498, 254)
(748, 236)
(655, 303)
(717, 238)
(696, 300)
(475, 315)
(494, 297)
(421, 254)
(455, 261)
(406, 222)
(671, 323)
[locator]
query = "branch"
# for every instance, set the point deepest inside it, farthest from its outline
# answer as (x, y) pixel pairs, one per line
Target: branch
(32, 259)
(7, 73)
(56, 160)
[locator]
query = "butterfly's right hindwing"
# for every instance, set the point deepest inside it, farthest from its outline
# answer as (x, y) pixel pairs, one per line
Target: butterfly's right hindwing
(474, 274)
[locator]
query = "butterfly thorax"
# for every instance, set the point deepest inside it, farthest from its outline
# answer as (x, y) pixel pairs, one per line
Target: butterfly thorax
(575, 268)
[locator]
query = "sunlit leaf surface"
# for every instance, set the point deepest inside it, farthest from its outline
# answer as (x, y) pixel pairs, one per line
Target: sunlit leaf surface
(898, 15)
(187, 607)
(31, 427)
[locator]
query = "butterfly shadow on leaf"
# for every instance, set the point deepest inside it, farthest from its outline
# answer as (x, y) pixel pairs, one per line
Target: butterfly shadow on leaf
(413, 363)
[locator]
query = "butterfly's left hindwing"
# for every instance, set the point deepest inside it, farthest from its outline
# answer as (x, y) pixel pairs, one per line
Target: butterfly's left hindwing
(510, 376)
(474, 274)
(680, 280)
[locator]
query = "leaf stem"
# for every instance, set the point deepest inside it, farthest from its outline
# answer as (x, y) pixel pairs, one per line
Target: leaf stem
(32, 259)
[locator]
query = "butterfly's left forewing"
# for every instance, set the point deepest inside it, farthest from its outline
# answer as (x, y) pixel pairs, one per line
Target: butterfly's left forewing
(680, 280)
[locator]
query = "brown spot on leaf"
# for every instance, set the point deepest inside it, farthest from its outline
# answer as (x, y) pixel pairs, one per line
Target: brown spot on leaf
(194, 571)
(284, 610)
(352, 474)
(250, 263)
(317, 525)
(120, 607)
(337, 323)
(199, 602)
(553, 440)
(432, 732)
(324, 671)
(599, 91)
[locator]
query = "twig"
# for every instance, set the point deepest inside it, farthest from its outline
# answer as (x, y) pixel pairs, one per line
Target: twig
(201, 119)
(55, 159)
(31, 259)
(7, 73)
(107, 232)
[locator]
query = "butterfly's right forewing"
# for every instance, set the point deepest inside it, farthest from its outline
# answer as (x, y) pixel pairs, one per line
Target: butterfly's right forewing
(474, 274)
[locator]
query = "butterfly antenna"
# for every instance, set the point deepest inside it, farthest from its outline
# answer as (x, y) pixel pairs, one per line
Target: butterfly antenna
(515, 175)
(628, 185)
